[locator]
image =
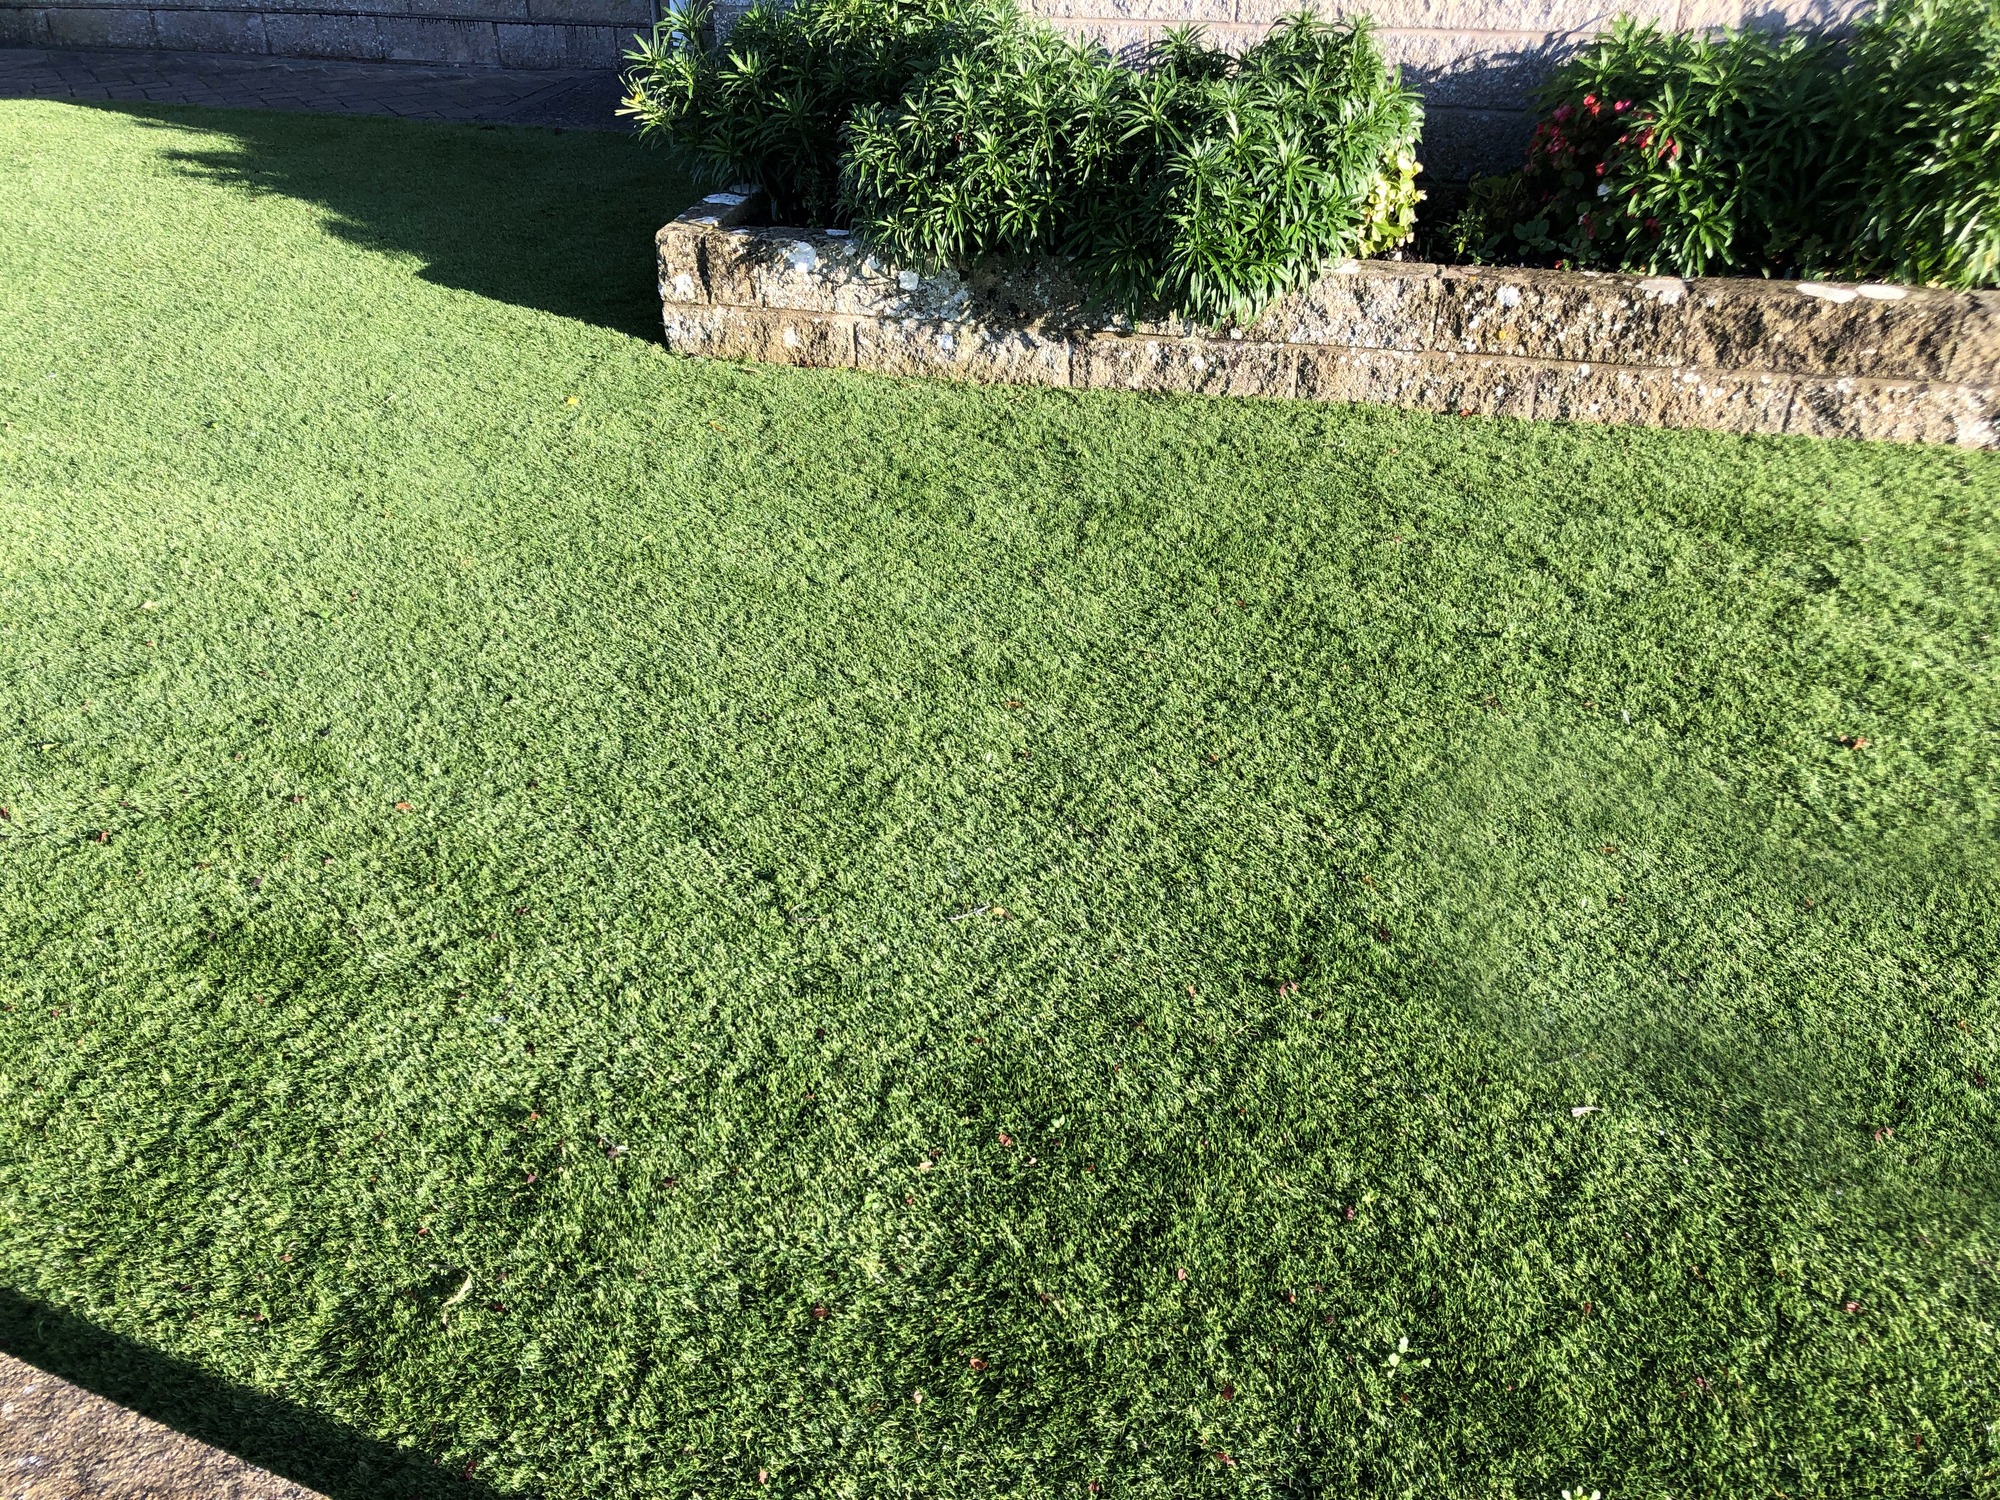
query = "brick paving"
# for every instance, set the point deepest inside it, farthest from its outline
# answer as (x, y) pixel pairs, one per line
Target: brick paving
(567, 98)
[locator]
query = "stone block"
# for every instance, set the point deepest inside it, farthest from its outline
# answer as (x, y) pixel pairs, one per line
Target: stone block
(1476, 69)
(1662, 397)
(431, 39)
(1220, 367)
(1716, 323)
(1430, 381)
(357, 38)
(209, 30)
(1368, 305)
(624, 14)
(1549, 16)
(1772, 15)
(681, 252)
(560, 45)
(1912, 412)
(1460, 143)
(1975, 354)
(1556, 315)
(99, 26)
(23, 28)
(457, 10)
(961, 351)
(754, 333)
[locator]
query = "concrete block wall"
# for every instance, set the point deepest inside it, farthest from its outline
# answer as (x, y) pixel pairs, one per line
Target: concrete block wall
(491, 33)
(1477, 61)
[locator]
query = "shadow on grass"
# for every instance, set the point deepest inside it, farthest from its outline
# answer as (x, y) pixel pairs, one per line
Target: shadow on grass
(275, 1435)
(558, 221)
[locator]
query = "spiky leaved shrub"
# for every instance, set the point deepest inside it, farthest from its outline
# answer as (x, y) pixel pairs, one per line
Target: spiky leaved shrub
(1922, 117)
(1745, 153)
(1197, 181)
(770, 104)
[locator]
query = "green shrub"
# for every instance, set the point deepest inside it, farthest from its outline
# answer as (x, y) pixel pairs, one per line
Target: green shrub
(1742, 152)
(1922, 111)
(1198, 181)
(770, 105)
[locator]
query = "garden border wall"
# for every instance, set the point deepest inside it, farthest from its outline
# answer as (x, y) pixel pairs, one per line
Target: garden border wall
(1907, 364)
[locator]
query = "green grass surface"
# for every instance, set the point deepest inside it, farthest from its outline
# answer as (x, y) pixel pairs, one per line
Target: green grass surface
(613, 920)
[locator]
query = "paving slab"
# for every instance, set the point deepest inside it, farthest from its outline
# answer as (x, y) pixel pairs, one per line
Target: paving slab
(61, 1442)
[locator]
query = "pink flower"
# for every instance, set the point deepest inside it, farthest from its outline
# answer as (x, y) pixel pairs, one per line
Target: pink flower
(1562, 113)
(1590, 103)
(1621, 106)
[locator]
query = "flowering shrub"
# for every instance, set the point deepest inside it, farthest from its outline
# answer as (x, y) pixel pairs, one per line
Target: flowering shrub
(1742, 152)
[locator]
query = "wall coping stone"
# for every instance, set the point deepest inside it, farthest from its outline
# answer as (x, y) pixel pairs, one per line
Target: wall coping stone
(1910, 364)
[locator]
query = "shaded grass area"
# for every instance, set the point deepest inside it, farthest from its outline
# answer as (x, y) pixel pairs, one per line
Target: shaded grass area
(648, 928)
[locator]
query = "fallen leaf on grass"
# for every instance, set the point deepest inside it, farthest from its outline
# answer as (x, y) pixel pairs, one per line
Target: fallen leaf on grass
(404, 807)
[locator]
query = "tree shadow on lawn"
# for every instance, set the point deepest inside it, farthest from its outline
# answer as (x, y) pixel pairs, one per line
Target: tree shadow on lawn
(559, 221)
(286, 1439)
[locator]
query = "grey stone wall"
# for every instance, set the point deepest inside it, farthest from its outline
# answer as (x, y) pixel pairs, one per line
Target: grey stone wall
(492, 33)
(1908, 364)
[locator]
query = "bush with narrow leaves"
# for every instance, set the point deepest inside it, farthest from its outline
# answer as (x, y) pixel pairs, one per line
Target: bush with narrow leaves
(1197, 181)
(770, 104)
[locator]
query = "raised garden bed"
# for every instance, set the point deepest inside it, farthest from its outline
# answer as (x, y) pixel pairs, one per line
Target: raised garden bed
(1901, 363)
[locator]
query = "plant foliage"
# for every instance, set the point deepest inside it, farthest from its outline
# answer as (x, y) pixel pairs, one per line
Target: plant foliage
(948, 130)
(1200, 181)
(770, 104)
(1750, 153)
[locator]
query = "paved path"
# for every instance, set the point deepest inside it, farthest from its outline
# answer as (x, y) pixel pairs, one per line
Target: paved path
(566, 98)
(58, 1442)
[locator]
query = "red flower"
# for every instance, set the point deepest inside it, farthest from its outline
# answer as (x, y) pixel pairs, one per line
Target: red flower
(1590, 103)
(1621, 106)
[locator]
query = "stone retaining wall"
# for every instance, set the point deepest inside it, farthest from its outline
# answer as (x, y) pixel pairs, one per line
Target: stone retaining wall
(1901, 363)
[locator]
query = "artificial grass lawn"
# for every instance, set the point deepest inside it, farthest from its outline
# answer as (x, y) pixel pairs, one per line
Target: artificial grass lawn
(617, 920)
